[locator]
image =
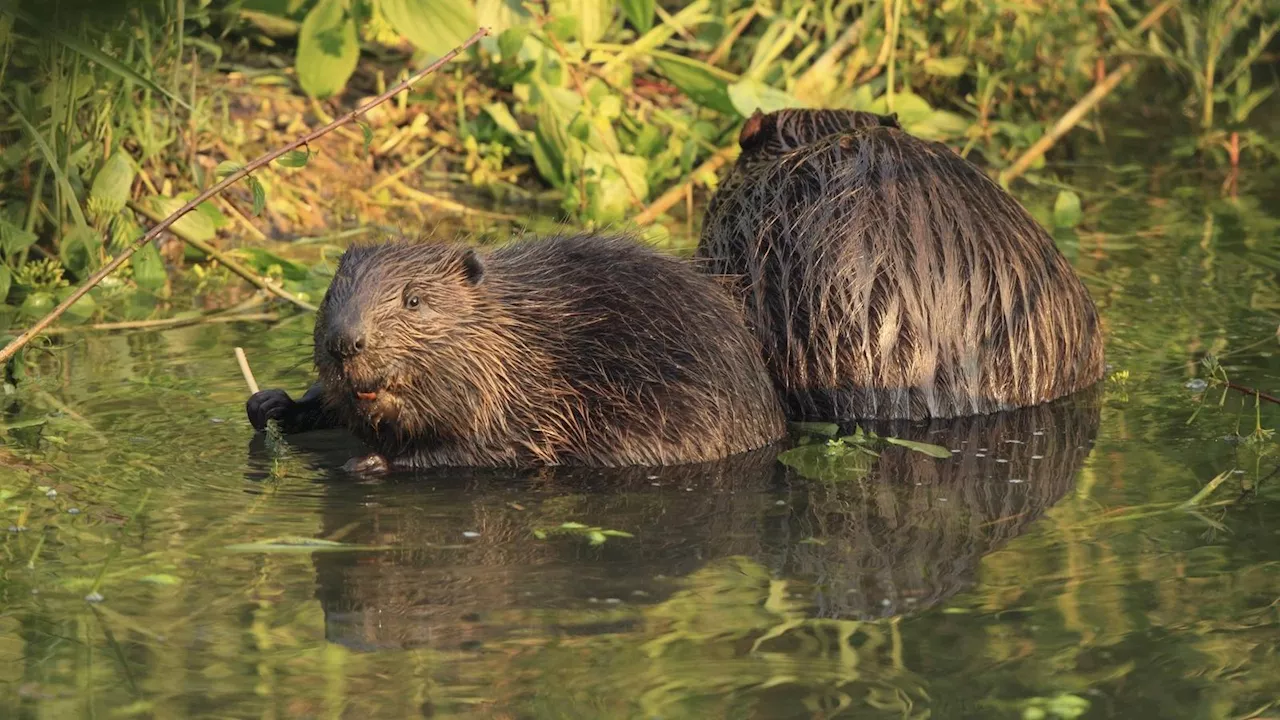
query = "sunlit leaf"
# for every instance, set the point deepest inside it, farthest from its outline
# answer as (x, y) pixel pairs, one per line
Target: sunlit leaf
(112, 183)
(327, 48)
(829, 462)
(507, 20)
(225, 168)
(926, 448)
(1066, 209)
(946, 67)
(434, 26)
(593, 16)
(193, 224)
(749, 95)
(161, 579)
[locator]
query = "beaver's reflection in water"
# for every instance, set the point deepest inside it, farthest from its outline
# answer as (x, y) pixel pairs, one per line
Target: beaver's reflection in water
(465, 565)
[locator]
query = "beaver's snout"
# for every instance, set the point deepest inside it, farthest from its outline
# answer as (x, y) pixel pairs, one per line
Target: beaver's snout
(345, 340)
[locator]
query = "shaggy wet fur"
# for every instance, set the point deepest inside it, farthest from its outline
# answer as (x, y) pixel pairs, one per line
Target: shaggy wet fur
(578, 350)
(887, 277)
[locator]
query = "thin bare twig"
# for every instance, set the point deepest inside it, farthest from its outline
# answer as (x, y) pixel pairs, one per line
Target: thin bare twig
(1255, 393)
(226, 182)
(246, 371)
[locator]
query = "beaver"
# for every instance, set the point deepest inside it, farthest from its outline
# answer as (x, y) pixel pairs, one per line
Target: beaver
(570, 350)
(887, 277)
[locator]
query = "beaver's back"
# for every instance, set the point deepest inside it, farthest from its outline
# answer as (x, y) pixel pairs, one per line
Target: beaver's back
(887, 277)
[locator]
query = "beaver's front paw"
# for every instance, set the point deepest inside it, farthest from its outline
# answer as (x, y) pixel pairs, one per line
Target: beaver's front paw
(267, 405)
(373, 464)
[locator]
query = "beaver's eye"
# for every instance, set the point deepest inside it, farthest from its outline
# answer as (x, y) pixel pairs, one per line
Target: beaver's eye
(412, 302)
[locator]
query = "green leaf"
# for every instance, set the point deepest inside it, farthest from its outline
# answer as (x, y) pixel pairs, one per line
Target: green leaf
(148, 268)
(81, 310)
(14, 239)
(261, 260)
(259, 195)
(699, 81)
(225, 168)
(6, 280)
(36, 305)
(1066, 210)
(368, 135)
(294, 159)
(828, 429)
(434, 26)
(615, 182)
(593, 16)
(295, 544)
(639, 13)
(161, 579)
(617, 533)
(503, 118)
(51, 161)
(327, 48)
(926, 448)
(596, 537)
(572, 526)
(508, 20)
(112, 183)
(193, 224)
(946, 67)
(749, 95)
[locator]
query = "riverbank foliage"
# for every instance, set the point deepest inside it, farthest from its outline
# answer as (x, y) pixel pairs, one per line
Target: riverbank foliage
(579, 111)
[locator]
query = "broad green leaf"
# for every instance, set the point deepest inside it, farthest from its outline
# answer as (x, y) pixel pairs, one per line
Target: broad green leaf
(926, 448)
(434, 26)
(36, 305)
(698, 81)
(327, 48)
(593, 16)
(14, 239)
(639, 13)
(294, 159)
(81, 310)
(946, 67)
(193, 224)
(617, 533)
(1066, 210)
(749, 95)
(507, 19)
(504, 119)
(112, 183)
(939, 125)
(148, 268)
(572, 526)
(596, 537)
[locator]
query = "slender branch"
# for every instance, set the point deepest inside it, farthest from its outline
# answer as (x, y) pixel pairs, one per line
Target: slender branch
(1250, 391)
(227, 262)
(226, 182)
(164, 323)
(246, 371)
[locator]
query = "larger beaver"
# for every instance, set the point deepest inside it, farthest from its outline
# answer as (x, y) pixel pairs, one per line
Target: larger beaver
(887, 277)
(573, 350)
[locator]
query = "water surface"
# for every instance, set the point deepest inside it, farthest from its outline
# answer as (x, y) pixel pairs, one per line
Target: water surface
(1044, 570)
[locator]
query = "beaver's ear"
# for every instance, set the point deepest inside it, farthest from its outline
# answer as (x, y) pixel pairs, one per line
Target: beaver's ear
(750, 135)
(472, 266)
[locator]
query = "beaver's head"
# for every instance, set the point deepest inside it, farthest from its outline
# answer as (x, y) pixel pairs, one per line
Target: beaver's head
(392, 337)
(784, 130)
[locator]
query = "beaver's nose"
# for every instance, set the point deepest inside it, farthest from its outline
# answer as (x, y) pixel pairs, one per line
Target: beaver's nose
(345, 345)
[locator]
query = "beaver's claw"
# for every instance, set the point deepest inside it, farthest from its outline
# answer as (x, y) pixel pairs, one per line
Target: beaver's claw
(267, 405)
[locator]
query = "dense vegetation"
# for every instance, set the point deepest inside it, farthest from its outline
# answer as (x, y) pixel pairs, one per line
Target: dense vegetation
(114, 113)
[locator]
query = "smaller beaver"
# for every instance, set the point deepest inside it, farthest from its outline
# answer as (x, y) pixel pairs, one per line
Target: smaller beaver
(571, 350)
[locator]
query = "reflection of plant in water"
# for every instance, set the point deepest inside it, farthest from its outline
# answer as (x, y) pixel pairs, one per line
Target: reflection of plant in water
(846, 458)
(594, 535)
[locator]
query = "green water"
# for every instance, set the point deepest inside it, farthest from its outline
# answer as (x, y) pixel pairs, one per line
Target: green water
(1046, 569)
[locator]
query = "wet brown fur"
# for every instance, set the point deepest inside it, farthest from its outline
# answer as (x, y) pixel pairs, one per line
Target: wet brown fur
(577, 350)
(887, 277)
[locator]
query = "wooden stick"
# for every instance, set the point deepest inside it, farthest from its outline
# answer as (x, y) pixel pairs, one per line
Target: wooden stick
(1256, 393)
(244, 370)
(234, 177)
